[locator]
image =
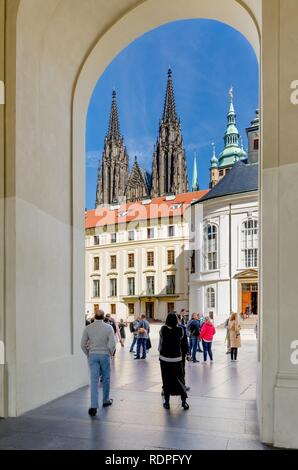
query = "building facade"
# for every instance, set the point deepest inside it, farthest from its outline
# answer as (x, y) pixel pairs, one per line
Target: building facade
(137, 257)
(225, 251)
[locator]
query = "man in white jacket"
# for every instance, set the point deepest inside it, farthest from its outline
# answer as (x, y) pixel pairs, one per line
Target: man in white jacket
(98, 343)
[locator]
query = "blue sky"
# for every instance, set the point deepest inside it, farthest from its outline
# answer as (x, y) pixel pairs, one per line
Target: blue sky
(206, 58)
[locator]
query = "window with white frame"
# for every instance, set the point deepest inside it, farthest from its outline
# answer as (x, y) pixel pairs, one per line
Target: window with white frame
(150, 285)
(249, 243)
(171, 284)
(150, 232)
(210, 297)
(211, 247)
(171, 230)
(131, 235)
(131, 285)
(113, 237)
(96, 288)
(113, 287)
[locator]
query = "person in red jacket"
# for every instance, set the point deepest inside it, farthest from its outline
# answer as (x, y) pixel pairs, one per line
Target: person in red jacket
(206, 335)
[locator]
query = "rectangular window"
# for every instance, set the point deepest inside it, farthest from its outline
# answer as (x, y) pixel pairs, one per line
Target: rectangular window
(131, 260)
(113, 237)
(150, 232)
(131, 235)
(113, 287)
(256, 144)
(131, 309)
(96, 263)
(131, 285)
(150, 258)
(193, 262)
(171, 307)
(171, 231)
(221, 172)
(96, 240)
(171, 257)
(171, 280)
(113, 261)
(96, 292)
(113, 309)
(150, 285)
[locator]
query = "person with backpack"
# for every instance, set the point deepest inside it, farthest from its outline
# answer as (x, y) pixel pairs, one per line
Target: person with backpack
(133, 328)
(193, 327)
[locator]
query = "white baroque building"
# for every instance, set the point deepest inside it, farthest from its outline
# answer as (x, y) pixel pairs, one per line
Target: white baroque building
(224, 246)
(137, 257)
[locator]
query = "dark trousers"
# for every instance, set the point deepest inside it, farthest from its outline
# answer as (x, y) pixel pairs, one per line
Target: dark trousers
(207, 348)
(234, 352)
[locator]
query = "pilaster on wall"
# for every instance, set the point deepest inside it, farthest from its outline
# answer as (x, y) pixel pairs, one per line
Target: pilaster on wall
(279, 376)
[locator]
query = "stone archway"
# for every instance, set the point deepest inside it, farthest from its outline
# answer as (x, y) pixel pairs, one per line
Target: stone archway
(71, 43)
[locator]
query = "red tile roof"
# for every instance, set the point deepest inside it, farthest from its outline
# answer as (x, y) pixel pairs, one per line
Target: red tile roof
(135, 211)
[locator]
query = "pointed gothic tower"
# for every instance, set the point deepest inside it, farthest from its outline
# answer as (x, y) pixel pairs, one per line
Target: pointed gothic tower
(195, 180)
(112, 178)
(169, 173)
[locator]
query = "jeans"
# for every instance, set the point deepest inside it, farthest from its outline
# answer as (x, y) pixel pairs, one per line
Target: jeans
(133, 343)
(207, 348)
(142, 343)
(193, 344)
(99, 365)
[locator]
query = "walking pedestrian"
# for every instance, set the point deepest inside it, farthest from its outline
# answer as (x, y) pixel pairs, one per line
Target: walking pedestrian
(201, 320)
(143, 334)
(170, 358)
(133, 327)
(206, 334)
(122, 325)
(193, 327)
(235, 336)
(98, 343)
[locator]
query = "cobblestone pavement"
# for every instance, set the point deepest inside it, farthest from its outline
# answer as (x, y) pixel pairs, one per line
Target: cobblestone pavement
(222, 412)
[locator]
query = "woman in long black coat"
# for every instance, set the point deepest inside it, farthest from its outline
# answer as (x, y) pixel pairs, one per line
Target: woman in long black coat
(170, 357)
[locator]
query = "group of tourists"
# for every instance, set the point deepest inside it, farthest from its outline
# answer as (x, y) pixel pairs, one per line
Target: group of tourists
(180, 338)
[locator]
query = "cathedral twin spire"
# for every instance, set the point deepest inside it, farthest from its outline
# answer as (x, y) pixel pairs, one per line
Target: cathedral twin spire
(169, 173)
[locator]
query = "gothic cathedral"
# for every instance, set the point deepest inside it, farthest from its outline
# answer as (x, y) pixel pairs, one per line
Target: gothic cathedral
(169, 172)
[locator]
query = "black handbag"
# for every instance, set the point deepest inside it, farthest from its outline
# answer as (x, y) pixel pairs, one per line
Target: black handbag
(148, 345)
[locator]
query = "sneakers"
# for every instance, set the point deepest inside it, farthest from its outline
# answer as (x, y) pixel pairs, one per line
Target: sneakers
(108, 403)
(166, 405)
(92, 412)
(185, 405)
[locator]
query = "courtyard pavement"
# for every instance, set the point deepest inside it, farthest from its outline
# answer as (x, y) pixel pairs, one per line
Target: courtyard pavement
(222, 412)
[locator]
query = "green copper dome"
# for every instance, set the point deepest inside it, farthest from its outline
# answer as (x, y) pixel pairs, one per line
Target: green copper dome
(232, 151)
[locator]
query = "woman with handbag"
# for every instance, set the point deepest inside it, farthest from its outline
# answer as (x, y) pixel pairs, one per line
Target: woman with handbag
(235, 337)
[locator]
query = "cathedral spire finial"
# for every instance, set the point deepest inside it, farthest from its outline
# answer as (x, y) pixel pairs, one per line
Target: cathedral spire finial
(169, 113)
(114, 128)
